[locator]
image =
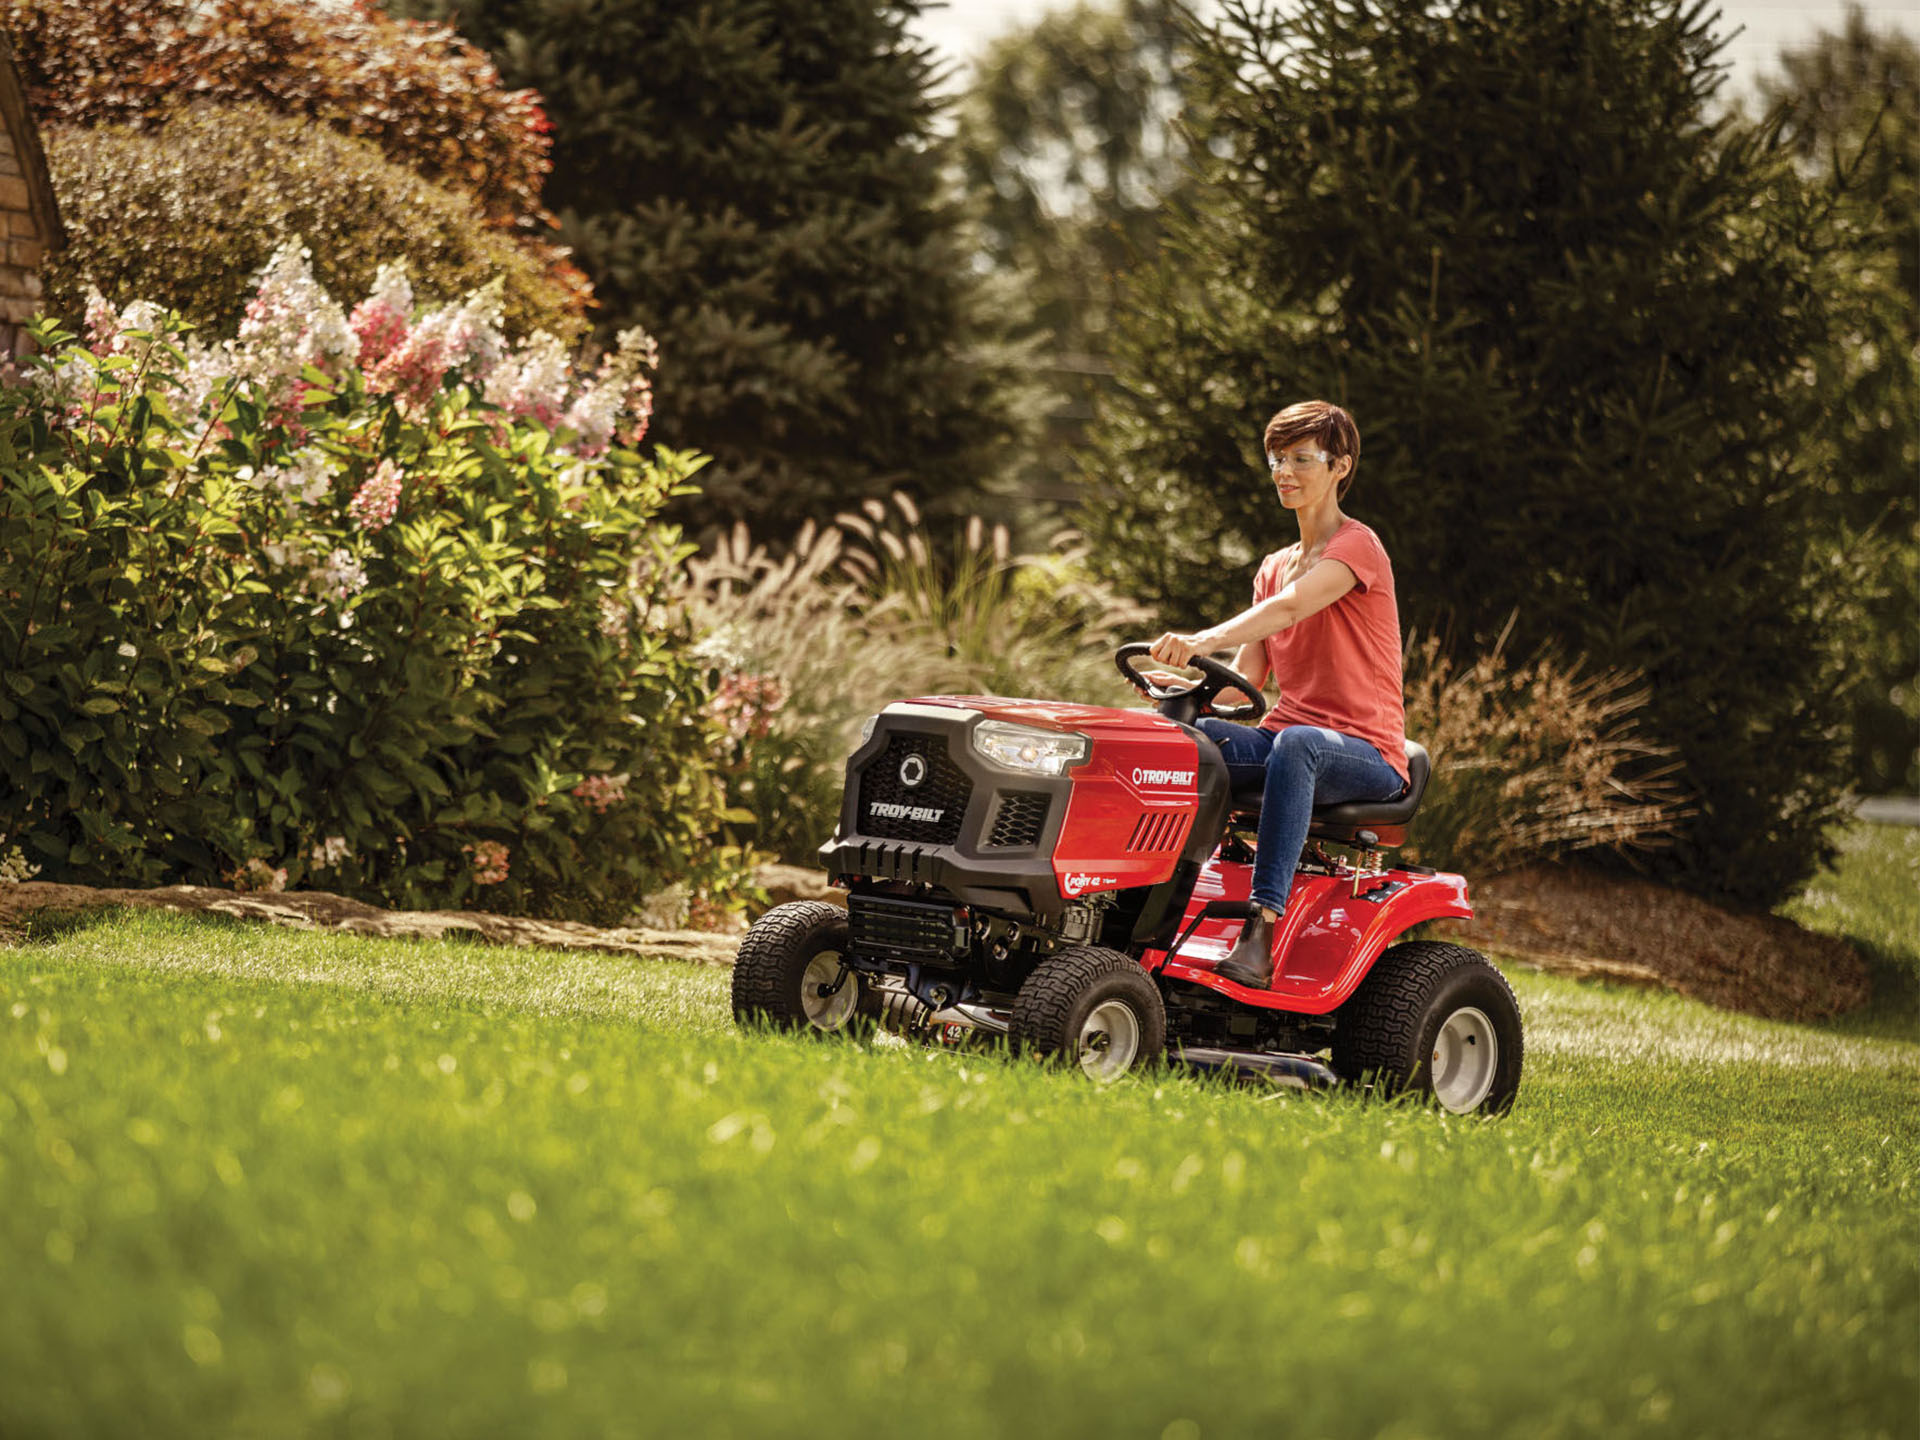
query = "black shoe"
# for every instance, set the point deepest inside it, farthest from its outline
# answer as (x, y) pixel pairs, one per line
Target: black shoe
(1251, 961)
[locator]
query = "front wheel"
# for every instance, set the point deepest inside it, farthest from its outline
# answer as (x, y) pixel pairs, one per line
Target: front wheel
(1434, 1020)
(791, 969)
(1093, 1008)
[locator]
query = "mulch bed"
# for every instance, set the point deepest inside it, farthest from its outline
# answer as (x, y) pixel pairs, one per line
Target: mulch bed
(1612, 927)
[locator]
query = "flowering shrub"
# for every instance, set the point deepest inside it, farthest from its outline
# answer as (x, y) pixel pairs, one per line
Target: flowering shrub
(284, 603)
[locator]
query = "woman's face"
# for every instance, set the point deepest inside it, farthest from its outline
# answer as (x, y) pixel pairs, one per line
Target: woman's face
(1304, 474)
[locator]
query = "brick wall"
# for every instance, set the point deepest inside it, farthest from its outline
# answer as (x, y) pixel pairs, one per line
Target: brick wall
(29, 215)
(23, 246)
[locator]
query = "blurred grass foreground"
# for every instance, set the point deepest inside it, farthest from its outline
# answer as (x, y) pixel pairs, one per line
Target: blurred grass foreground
(263, 1182)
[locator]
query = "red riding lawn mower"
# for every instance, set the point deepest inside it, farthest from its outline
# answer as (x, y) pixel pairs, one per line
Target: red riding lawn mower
(1067, 877)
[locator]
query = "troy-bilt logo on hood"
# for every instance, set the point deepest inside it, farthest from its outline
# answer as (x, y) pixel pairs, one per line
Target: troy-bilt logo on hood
(1162, 777)
(1074, 884)
(906, 812)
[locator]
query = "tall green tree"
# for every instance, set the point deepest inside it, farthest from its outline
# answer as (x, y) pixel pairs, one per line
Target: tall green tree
(761, 185)
(1069, 146)
(1572, 304)
(1851, 109)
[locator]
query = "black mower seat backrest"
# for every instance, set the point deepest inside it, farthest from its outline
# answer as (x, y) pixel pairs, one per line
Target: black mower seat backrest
(1385, 820)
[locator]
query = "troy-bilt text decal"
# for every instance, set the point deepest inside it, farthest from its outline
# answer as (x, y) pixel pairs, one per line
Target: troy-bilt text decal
(1163, 777)
(1074, 884)
(907, 812)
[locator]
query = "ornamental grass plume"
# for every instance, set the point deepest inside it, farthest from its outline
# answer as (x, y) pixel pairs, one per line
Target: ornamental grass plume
(1534, 761)
(871, 609)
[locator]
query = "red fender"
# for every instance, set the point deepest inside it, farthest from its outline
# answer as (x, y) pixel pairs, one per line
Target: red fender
(1325, 942)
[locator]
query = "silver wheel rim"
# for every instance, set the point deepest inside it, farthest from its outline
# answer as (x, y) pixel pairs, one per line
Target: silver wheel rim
(1109, 1041)
(1466, 1054)
(827, 1012)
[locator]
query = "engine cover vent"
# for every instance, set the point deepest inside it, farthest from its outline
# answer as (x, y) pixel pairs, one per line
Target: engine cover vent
(1019, 818)
(1157, 832)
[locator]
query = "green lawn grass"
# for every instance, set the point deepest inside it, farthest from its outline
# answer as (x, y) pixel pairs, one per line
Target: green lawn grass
(267, 1183)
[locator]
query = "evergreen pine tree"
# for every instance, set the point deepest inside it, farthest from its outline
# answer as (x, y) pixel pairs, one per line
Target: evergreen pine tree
(759, 183)
(1573, 308)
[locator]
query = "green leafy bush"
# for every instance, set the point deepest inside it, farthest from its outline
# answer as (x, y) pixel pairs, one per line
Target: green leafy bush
(377, 603)
(186, 214)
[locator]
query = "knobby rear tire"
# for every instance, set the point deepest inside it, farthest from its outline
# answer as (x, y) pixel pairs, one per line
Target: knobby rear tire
(1423, 998)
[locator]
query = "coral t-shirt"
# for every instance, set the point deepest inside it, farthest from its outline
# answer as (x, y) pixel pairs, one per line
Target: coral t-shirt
(1341, 668)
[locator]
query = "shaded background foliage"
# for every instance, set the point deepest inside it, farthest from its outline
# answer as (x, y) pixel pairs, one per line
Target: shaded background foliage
(1850, 107)
(1577, 349)
(760, 184)
(1071, 144)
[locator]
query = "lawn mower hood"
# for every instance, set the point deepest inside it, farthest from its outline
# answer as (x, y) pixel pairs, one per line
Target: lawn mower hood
(1026, 805)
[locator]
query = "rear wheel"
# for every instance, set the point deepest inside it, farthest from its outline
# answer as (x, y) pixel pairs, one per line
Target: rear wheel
(790, 969)
(1093, 1008)
(1434, 1020)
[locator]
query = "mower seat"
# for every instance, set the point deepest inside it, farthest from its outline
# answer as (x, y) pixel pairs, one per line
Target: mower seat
(1385, 820)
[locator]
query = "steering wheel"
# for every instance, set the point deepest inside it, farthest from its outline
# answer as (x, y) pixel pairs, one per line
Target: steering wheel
(1197, 699)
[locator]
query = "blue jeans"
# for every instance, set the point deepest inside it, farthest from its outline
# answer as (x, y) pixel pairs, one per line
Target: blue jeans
(1302, 766)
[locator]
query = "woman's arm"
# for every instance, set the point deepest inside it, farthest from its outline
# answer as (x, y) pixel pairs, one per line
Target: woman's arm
(1251, 661)
(1309, 595)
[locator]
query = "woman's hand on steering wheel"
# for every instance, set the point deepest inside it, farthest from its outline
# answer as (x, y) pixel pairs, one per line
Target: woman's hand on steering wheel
(1174, 648)
(1191, 699)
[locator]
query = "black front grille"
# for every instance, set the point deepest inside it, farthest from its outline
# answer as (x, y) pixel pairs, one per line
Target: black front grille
(1019, 818)
(901, 929)
(930, 811)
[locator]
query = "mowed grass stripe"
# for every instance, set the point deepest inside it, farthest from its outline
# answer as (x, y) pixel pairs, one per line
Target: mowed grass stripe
(1562, 1017)
(454, 1189)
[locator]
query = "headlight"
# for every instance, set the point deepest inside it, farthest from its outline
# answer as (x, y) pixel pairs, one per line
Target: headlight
(866, 730)
(1019, 747)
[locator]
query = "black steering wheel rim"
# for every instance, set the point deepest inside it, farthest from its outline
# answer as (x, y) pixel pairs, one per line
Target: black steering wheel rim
(1215, 678)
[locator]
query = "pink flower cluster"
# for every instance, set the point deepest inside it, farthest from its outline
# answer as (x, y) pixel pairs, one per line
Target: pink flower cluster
(416, 362)
(746, 704)
(600, 793)
(374, 503)
(489, 861)
(292, 323)
(380, 321)
(256, 876)
(618, 403)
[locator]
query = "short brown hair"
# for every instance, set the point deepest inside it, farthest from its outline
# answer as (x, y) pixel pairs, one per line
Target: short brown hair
(1326, 425)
